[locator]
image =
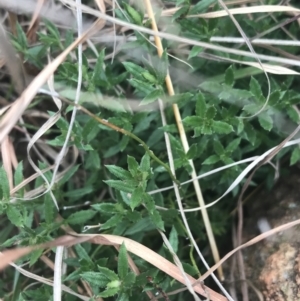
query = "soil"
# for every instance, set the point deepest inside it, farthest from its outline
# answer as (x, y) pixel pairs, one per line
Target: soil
(272, 266)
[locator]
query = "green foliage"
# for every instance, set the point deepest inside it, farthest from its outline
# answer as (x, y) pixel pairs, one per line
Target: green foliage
(108, 189)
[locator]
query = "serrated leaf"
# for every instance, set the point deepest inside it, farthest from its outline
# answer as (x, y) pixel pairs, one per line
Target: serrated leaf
(81, 217)
(255, 88)
(145, 163)
(78, 193)
(149, 77)
(34, 256)
(229, 77)
(265, 121)
(68, 175)
(250, 133)
(141, 86)
(99, 68)
(195, 51)
(112, 222)
(173, 239)
(193, 121)
(129, 280)
(211, 112)
(14, 215)
(201, 6)
(157, 220)
(136, 197)
(192, 152)
(90, 130)
(200, 105)
(18, 176)
(119, 172)
(109, 292)
(142, 225)
(293, 114)
(4, 184)
(49, 209)
(135, 70)
(122, 262)
(94, 278)
(295, 157)
(181, 11)
(133, 165)
(218, 148)
(151, 97)
(134, 14)
(162, 67)
(109, 274)
(125, 186)
(211, 160)
(105, 207)
(221, 127)
(82, 253)
(232, 146)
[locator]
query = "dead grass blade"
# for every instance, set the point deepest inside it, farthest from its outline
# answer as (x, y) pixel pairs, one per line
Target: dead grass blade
(112, 240)
(20, 105)
(248, 10)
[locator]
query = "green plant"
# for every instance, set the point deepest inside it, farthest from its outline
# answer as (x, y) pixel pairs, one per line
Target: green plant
(115, 185)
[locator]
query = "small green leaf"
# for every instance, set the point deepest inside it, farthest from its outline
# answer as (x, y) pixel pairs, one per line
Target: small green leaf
(211, 112)
(81, 217)
(68, 175)
(96, 279)
(105, 207)
(218, 148)
(136, 17)
(162, 67)
(255, 88)
(18, 176)
(221, 127)
(229, 76)
(129, 280)
(211, 160)
(135, 70)
(122, 262)
(111, 275)
(78, 193)
(14, 215)
(82, 253)
(151, 97)
(149, 77)
(4, 184)
(195, 51)
(192, 152)
(125, 186)
(193, 121)
(133, 165)
(109, 292)
(295, 157)
(201, 6)
(119, 172)
(112, 222)
(145, 163)
(232, 146)
(265, 121)
(49, 209)
(141, 86)
(157, 220)
(173, 239)
(34, 256)
(200, 105)
(99, 69)
(136, 197)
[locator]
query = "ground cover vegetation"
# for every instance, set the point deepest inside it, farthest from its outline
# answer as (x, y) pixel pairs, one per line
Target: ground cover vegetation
(104, 170)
